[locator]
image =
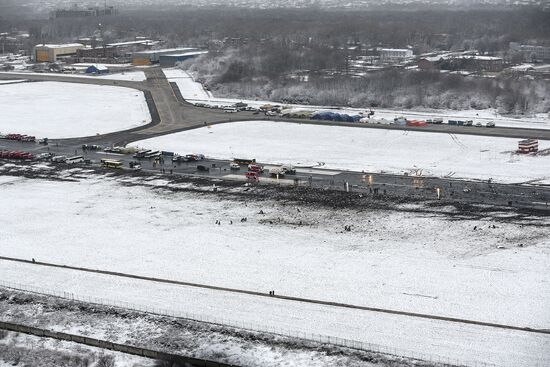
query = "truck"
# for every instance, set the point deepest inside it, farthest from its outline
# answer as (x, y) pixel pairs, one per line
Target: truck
(244, 161)
(289, 169)
(252, 175)
(255, 168)
(277, 172)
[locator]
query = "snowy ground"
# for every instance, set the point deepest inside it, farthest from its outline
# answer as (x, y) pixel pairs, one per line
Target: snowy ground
(11, 81)
(348, 148)
(66, 110)
(194, 92)
(391, 259)
(184, 337)
(27, 350)
(134, 76)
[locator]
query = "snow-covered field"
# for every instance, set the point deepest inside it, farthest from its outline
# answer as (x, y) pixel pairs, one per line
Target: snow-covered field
(194, 92)
(348, 148)
(133, 76)
(66, 110)
(416, 261)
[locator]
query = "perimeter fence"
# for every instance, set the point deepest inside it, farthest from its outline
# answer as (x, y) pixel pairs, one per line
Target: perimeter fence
(302, 336)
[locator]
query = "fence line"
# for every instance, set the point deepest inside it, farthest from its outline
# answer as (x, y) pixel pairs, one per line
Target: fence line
(124, 348)
(249, 326)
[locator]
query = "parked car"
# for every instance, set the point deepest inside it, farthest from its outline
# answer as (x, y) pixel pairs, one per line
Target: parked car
(478, 124)
(234, 166)
(490, 124)
(200, 167)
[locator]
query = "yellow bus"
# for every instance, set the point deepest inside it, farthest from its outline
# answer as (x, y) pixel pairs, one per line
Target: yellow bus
(111, 163)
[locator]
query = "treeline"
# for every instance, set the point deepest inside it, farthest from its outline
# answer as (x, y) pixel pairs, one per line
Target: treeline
(485, 30)
(231, 75)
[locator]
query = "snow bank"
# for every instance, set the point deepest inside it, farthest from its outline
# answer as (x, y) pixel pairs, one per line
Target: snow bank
(374, 150)
(67, 110)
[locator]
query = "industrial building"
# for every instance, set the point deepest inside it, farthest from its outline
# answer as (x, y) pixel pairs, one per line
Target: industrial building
(461, 61)
(51, 53)
(168, 61)
(153, 56)
(531, 52)
(113, 52)
(395, 54)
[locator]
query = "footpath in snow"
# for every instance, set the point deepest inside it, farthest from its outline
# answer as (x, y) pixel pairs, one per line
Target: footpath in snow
(372, 150)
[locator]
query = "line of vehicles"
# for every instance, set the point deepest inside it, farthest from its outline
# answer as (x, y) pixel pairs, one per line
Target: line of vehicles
(255, 169)
(16, 154)
(253, 172)
(23, 138)
(332, 115)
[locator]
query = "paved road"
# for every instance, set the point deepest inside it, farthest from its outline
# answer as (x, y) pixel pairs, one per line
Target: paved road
(520, 195)
(177, 115)
(278, 296)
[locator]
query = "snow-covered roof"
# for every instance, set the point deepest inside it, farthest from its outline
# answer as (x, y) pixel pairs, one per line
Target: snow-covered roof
(99, 67)
(140, 42)
(166, 50)
(396, 49)
(193, 53)
(66, 45)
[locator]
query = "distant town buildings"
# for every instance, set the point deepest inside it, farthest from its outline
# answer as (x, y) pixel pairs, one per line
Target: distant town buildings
(464, 61)
(76, 12)
(391, 55)
(531, 52)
